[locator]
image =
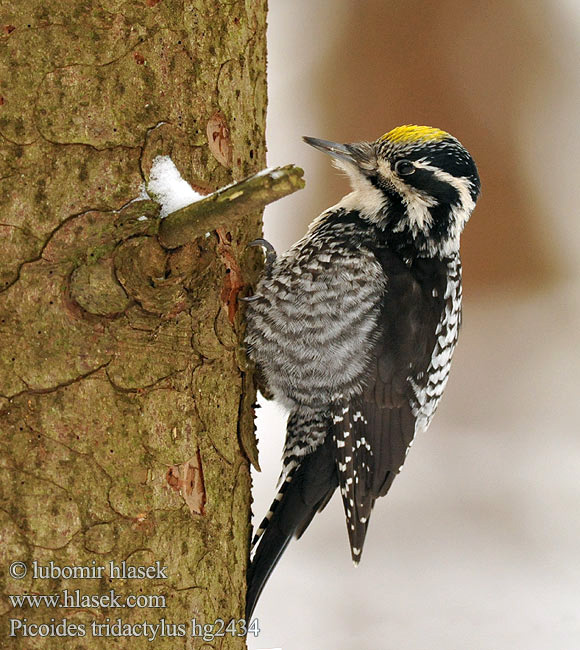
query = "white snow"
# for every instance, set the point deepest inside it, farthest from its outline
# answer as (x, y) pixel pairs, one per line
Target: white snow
(168, 187)
(276, 173)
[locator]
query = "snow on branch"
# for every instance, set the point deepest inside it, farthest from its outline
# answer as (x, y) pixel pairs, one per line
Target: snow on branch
(168, 188)
(188, 215)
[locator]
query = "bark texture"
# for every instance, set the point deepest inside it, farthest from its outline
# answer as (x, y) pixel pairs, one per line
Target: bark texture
(126, 421)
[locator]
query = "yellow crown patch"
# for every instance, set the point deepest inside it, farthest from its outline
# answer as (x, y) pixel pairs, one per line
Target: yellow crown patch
(412, 133)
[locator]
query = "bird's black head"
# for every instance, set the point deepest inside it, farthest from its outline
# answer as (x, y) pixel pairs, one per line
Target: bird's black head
(414, 180)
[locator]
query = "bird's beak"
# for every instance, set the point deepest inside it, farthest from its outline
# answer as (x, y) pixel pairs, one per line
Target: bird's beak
(360, 154)
(333, 149)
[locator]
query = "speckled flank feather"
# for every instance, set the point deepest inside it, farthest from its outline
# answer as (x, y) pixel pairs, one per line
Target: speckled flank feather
(311, 352)
(354, 327)
(429, 386)
(304, 432)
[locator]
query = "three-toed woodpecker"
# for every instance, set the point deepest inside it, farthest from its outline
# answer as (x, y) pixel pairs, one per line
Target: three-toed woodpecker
(354, 327)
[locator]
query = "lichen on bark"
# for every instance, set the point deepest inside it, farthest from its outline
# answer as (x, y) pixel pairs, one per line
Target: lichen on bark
(119, 357)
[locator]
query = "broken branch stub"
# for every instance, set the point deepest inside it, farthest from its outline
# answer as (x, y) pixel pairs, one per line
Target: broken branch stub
(229, 204)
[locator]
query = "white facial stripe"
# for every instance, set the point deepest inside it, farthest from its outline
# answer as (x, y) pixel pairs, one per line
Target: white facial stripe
(461, 211)
(462, 184)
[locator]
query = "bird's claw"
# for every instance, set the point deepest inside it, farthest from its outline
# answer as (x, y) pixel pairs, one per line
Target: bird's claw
(267, 246)
(250, 298)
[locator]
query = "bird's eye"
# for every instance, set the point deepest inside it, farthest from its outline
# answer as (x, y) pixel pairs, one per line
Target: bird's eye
(404, 167)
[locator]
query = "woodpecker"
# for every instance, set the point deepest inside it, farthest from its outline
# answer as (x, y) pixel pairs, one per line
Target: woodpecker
(353, 329)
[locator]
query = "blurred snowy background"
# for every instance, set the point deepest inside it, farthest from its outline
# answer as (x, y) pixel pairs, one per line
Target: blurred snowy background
(477, 546)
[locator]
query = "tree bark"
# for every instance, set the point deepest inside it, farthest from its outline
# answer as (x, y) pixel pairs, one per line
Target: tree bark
(126, 409)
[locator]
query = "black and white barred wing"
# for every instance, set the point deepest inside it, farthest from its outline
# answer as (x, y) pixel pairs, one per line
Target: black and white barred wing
(374, 431)
(371, 444)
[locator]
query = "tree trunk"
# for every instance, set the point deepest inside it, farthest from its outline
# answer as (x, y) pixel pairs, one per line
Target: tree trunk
(126, 414)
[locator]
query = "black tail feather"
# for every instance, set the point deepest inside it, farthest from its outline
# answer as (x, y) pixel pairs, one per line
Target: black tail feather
(312, 483)
(270, 550)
